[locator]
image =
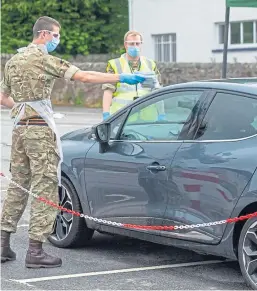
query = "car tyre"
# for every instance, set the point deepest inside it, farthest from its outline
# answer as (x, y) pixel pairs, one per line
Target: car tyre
(247, 252)
(69, 230)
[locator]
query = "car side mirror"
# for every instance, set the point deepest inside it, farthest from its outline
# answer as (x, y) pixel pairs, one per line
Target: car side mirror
(102, 132)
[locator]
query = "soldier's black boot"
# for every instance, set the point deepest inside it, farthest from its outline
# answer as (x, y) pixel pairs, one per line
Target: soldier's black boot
(6, 252)
(37, 258)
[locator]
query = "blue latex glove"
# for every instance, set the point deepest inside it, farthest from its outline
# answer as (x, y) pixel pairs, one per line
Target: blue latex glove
(106, 115)
(131, 79)
(161, 117)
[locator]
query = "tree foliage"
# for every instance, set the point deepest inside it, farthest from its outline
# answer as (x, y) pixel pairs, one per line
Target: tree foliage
(88, 26)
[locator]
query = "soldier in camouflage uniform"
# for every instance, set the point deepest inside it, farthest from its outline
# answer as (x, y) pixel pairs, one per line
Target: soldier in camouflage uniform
(36, 153)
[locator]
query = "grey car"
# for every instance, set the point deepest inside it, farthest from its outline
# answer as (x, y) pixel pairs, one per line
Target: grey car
(194, 169)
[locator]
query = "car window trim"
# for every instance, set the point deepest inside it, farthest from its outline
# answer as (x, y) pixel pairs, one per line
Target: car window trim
(184, 141)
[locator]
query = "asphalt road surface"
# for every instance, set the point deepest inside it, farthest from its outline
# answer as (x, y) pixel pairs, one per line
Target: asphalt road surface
(109, 262)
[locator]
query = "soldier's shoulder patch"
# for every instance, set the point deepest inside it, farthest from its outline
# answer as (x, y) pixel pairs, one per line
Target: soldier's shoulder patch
(62, 61)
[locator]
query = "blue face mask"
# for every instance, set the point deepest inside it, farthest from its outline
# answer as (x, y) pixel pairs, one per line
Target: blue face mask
(133, 51)
(52, 45)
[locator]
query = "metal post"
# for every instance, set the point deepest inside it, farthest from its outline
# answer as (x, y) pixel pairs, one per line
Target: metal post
(131, 14)
(225, 49)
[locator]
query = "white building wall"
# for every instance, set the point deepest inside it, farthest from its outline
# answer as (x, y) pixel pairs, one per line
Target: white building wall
(193, 21)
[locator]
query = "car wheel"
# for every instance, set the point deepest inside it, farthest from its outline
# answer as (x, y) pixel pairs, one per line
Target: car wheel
(247, 252)
(69, 230)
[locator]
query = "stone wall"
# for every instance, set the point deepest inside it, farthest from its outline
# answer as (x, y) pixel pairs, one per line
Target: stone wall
(90, 95)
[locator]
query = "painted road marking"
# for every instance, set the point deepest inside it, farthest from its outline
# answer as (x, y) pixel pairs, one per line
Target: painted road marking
(26, 284)
(90, 274)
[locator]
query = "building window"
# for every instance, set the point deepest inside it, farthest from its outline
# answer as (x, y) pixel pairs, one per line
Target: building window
(248, 29)
(221, 33)
(235, 34)
(244, 32)
(165, 47)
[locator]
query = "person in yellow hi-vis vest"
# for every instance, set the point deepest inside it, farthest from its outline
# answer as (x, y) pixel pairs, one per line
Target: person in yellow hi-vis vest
(119, 95)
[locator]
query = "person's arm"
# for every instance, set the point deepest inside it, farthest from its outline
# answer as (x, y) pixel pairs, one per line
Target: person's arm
(107, 100)
(5, 88)
(109, 89)
(159, 105)
(95, 77)
(6, 100)
(59, 68)
(161, 110)
(158, 74)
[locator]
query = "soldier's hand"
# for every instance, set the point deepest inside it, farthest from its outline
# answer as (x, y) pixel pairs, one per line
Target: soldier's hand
(131, 79)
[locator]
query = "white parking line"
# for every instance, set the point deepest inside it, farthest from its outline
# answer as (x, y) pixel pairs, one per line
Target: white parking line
(26, 284)
(90, 274)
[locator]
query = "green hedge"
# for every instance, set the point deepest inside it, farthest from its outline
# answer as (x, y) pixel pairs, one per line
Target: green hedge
(88, 26)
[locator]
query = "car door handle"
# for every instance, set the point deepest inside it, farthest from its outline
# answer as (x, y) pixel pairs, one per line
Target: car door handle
(156, 168)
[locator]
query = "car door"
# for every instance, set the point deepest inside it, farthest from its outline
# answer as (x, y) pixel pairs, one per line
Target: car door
(210, 172)
(128, 182)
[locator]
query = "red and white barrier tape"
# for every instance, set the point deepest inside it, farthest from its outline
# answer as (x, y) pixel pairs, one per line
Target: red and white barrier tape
(135, 226)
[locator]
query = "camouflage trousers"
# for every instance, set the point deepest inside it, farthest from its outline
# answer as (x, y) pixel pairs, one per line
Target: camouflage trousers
(34, 161)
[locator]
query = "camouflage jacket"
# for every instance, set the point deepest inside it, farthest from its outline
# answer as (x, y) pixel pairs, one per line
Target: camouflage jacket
(30, 74)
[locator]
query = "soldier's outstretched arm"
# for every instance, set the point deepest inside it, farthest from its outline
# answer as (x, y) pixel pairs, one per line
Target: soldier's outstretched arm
(97, 77)
(60, 68)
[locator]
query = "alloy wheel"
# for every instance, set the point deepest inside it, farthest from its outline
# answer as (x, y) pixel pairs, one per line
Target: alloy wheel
(250, 252)
(63, 221)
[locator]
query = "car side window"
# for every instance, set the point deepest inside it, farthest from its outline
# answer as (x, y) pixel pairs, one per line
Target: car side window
(230, 116)
(162, 117)
(115, 124)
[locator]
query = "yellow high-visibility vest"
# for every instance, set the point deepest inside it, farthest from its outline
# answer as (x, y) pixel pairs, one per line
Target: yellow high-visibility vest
(126, 93)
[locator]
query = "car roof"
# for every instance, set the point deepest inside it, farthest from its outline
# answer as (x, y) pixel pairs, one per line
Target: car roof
(243, 85)
(235, 80)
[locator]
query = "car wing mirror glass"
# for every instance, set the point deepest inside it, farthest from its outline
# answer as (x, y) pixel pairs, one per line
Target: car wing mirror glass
(101, 132)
